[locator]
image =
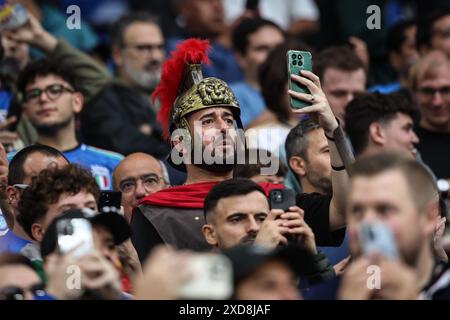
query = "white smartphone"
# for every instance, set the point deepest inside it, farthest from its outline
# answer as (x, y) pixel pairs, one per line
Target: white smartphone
(74, 232)
(212, 278)
(378, 237)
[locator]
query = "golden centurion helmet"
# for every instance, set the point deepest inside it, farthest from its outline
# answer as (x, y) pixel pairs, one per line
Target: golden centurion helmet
(183, 90)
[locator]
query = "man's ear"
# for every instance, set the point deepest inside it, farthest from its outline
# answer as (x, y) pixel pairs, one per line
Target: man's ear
(77, 102)
(376, 134)
(432, 216)
(298, 166)
(210, 234)
(13, 196)
(37, 232)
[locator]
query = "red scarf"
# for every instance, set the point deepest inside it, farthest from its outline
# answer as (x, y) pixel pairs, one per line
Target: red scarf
(190, 196)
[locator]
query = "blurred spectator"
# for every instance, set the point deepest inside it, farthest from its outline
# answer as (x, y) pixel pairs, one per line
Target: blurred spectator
(262, 274)
(18, 280)
(255, 171)
(252, 41)
(297, 17)
(342, 75)
(109, 230)
(26, 164)
(137, 176)
(121, 117)
(378, 122)
(92, 79)
(430, 84)
(55, 21)
(401, 194)
(53, 116)
(308, 156)
(206, 20)
(433, 31)
(402, 54)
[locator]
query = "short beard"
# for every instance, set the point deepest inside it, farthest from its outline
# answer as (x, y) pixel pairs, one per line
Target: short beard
(51, 130)
(144, 79)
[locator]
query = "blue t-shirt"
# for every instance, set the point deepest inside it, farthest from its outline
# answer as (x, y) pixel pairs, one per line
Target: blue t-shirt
(101, 163)
(250, 101)
(10, 242)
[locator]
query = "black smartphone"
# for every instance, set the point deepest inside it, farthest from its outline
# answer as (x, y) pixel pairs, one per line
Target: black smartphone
(110, 199)
(282, 199)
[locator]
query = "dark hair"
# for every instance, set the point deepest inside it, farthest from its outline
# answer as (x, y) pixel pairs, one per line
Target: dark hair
(425, 26)
(229, 188)
(338, 57)
(119, 27)
(247, 27)
(16, 172)
(46, 189)
(366, 109)
(273, 77)
(396, 35)
(9, 258)
(419, 180)
(297, 141)
(250, 169)
(45, 67)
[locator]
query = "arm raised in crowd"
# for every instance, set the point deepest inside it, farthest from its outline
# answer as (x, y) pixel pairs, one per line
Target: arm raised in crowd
(321, 112)
(91, 76)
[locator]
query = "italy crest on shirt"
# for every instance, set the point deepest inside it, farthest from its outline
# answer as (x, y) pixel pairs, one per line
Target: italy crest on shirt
(103, 176)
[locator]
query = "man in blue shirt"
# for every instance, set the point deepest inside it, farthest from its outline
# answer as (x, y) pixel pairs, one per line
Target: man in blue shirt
(51, 103)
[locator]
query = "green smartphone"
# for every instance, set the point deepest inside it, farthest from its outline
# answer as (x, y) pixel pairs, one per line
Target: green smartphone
(296, 61)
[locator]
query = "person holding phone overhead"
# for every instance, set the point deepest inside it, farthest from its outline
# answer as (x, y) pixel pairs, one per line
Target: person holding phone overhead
(193, 107)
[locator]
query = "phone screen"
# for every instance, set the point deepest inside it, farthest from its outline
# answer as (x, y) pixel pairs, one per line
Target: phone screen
(110, 199)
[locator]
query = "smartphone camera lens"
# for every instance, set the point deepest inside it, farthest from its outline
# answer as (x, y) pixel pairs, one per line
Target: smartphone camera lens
(294, 63)
(294, 56)
(300, 63)
(300, 56)
(277, 196)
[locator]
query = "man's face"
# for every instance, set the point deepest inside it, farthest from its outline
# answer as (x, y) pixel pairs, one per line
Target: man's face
(33, 165)
(236, 220)
(260, 43)
(137, 176)
(274, 280)
(408, 54)
(386, 198)
(16, 51)
(204, 17)
(399, 134)
(440, 38)
(54, 108)
(341, 86)
(65, 202)
(141, 57)
(215, 134)
(318, 163)
(104, 243)
(433, 98)
(19, 276)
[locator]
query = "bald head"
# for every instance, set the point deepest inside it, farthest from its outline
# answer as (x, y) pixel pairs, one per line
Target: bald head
(137, 176)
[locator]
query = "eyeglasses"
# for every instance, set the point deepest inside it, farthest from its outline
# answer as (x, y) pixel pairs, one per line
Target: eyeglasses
(16, 293)
(145, 47)
(53, 92)
(431, 92)
(149, 181)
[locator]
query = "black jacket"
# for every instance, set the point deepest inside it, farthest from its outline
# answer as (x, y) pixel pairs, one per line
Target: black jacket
(112, 119)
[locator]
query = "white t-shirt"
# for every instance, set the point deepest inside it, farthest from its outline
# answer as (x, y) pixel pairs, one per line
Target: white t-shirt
(282, 12)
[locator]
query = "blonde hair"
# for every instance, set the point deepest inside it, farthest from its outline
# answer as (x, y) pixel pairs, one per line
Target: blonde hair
(429, 66)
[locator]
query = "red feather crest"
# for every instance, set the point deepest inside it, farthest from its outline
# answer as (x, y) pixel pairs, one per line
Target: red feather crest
(191, 51)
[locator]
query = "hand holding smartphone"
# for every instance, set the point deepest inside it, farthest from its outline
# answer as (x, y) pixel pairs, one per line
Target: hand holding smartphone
(297, 61)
